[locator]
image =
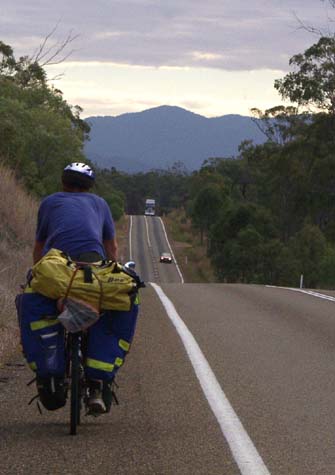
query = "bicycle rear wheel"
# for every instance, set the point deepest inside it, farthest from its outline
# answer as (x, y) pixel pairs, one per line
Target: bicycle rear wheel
(75, 383)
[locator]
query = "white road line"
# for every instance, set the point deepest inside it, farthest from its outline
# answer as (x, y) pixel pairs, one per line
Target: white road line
(130, 230)
(244, 452)
(146, 225)
(175, 260)
(308, 292)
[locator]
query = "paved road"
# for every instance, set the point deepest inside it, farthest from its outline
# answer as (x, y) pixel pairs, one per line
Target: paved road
(155, 430)
(271, 350)
(148, 242)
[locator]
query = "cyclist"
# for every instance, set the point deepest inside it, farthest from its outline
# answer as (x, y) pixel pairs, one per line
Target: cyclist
(75, 221)
(80, 224)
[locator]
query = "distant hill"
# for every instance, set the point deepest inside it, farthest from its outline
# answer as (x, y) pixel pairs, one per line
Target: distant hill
(156, 138)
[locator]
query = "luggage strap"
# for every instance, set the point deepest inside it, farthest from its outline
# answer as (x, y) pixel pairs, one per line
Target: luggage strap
(88, 272)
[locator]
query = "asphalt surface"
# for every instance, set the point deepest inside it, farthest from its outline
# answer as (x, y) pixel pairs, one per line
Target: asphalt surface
(272, 351)
(162, 425)
(149, 242)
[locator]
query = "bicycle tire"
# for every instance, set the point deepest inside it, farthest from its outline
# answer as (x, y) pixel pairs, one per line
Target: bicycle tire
(75, 384)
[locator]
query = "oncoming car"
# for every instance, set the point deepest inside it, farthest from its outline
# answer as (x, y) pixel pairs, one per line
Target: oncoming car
(165, 257)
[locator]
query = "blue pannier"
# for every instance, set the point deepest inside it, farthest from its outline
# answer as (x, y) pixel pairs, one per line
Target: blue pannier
(42, 335)
(109, 341)
(43, 342)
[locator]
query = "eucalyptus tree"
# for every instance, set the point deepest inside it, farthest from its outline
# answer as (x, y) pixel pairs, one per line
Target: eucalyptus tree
(39, 131)
(313, 81)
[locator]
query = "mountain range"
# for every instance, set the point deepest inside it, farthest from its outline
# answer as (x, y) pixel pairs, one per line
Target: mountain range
(157, 138)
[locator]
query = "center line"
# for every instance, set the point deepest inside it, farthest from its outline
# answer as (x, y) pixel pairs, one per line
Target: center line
(130, 231)
(146, 225)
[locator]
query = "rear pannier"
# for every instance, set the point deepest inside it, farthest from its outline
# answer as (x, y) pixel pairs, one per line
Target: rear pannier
(105, 285)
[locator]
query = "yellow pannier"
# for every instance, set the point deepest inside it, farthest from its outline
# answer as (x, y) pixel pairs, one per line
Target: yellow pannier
(105, 285)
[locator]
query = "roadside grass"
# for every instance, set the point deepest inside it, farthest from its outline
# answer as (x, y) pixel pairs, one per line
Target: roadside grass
(189, 252)
(18, 213)
(122, 230)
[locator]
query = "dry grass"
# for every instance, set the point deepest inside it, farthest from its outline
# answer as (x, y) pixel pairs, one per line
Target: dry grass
(18, 213)
(190, 254)
(18, 210)
(122, 227)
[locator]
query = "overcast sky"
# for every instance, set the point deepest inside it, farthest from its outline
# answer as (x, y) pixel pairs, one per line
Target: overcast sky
(212, 57)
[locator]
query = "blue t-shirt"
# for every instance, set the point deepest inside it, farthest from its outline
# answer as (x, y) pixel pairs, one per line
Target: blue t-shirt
(74, 223)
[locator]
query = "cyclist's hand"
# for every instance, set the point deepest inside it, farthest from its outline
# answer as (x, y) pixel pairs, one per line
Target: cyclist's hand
(29, 276)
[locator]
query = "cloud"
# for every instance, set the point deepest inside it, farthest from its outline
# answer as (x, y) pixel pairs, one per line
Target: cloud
(220, 34)
(108, 89)
(207, 56)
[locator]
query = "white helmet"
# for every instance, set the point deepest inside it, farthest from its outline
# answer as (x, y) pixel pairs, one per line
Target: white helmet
(80, 168)
(130, 265)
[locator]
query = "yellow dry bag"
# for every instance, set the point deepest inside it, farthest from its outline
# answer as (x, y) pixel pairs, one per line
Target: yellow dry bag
(105, 285)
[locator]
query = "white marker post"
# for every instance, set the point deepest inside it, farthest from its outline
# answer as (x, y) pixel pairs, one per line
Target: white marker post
(301, 281)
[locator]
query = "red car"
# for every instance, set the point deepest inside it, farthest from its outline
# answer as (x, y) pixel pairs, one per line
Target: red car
(166, 257)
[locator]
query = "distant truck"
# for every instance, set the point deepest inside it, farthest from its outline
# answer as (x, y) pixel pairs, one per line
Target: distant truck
(149, 207)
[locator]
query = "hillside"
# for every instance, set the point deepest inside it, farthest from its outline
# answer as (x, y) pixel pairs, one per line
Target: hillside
(18, 213)
(159, 137)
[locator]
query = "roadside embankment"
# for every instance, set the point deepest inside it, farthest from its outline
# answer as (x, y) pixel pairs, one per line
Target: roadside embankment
(189, 251)
(122, 235)
(18, 213)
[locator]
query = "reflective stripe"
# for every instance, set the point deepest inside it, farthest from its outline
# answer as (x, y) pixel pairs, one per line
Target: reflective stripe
(124, 345)
(39, 324)
(96, 364)
(49, 335)
(118, 361)
(32, 366)
(137, 299)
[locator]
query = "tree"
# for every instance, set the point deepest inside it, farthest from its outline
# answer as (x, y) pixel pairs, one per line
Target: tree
(327, 268)
(280, 124)
(308, 247)
(39, 131)
(314, 81)
(243, 244)
(206, 208)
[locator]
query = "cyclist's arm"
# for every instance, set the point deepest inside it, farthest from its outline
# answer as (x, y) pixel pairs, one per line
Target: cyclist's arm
(37, 252)
(111, 248)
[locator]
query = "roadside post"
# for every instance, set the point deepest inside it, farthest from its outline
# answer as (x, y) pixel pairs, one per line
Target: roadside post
(301, 281)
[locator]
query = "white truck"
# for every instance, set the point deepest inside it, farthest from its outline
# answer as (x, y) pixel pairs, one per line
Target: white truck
(149, 207)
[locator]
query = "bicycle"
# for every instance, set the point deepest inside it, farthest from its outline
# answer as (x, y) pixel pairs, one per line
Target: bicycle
(75, 374)
(76, 382)
(76, 317)
(76, 343)
(74, 378)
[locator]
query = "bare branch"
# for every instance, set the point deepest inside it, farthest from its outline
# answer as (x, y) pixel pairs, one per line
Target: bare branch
(38, 54)
(309, 28)
(50, 55)
(57, 77)
(331, 2)
(60, 47)
(315, 30)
